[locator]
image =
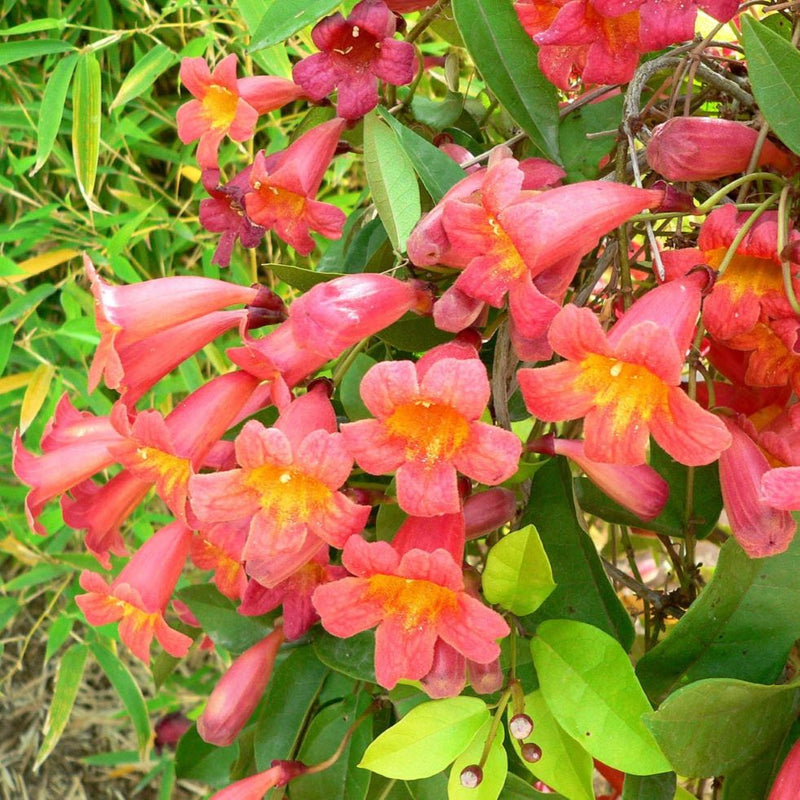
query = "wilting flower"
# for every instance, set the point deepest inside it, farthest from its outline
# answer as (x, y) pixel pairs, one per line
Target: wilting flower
(626, 384)
(286, 484)
(224, 212)
(415, 600)
(427, 428)
(285, 184)
(225, 105)
(294, 594)
(239, 691)
(138, 596)
(751, 288)
(356, 52)
(704, 149)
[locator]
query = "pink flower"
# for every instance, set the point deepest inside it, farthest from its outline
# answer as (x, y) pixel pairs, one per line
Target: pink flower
(626, 384)
(239, 691)
(285, 184)
(415, 600)
(788, 778)
(225, 105)
(256, 786)
(219, 548)
(286, 484)
(356, 52)
(138, 596)
(427, 428)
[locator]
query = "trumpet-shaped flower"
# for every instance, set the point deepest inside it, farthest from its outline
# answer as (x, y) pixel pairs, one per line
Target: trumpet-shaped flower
(414, 600)
(626, 384)
(219, 548)
(138, 596)
(224, 106)
(285, 184)
(287, 485)
(256, 786)
(751, 288)
(427, 428)
(355, 53)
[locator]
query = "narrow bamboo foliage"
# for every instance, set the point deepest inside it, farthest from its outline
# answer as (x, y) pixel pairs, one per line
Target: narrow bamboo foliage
(86, 102)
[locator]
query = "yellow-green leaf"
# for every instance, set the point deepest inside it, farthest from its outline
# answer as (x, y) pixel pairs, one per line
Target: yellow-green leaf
(68, 681)
(86, 100)
(52, 109)
(144, 74)
(41, 263)
(35, 394)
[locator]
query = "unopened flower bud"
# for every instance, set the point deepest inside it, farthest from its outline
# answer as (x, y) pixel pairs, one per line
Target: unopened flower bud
(520, 726)
(471, 776)
(488, 511)
(674, 199)
(531, 752)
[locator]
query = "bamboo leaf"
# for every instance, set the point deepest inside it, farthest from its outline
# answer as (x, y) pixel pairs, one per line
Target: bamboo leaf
(144, 74)
(17, 51)
(52, 109)
(86, 101)
(68, 681)
(41, 263)
(35, 394)
(282, 18)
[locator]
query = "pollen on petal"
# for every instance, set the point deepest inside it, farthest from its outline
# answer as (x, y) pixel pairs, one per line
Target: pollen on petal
(431, 432)
(219, 106)
(288, 495)
(416, 602)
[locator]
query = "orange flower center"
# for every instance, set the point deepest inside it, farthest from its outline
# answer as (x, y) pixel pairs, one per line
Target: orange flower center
(630, 389)
(270, 203)
(747, 274)
(171, 472)
(418, 602)
(510, 265)
(219, 106)
(289, 495)
(432, 432)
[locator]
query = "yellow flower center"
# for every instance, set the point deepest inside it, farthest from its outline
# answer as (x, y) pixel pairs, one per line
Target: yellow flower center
(418, 602)
(172, 471)
(510, 264)
(747, 274)
(289, 495)
(219, 106)
(432, 432)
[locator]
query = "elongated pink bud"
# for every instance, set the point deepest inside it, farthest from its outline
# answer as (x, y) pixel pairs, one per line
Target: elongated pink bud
(703, 149)
(487, 511)
(785, 786)
(237, 694)
(256, 786)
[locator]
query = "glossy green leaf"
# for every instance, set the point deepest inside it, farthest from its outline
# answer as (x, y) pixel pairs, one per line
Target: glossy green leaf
(518, 575)
(282, 18)
(144, 74)
(86, 100)
(129, 692)
(300, 278)
(291, 694)
(590, 688)
(582, 156)
(583, 592)
(16, 51)
(437, 171)
(706, 499)
(427, 739)
(52, 108)
(718, 724)
(438, 114)
(68, 680)
(743, 625)
(391, 180)
(197, 760)
(221, 621)
(650, 787)
(565, 765)
(495, 768)
(414, 334)
(354, 656)
(773, 65)
(516, 788)
(342, 780)
(433, 788)
(350, 389)
(507, 58)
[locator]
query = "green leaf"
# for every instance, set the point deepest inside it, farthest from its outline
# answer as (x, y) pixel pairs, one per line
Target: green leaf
(438, 114)
(518, 575)
(342, 780)
(590, 688)
(354, 656)
(25, 302)
(427, 739)
(507, 57)
(86, 99)
(300, 278)
(128, 691)
(292, 692)
(494, 770)
(743, 625)
(16, 51)
(650, 787)
(583, 592)
(282, 18)
(57, 635)
(391, 180)
(718, 724)
(773, 65)
(581, 155)
(219, 618)
(414, 334)
(36, 26)
(433, 788)
(516, 788)
(350, 389)
(197, 760)
(437, 171)
(144, 74)
(564, 765)
(52, 109)
(68, 680)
